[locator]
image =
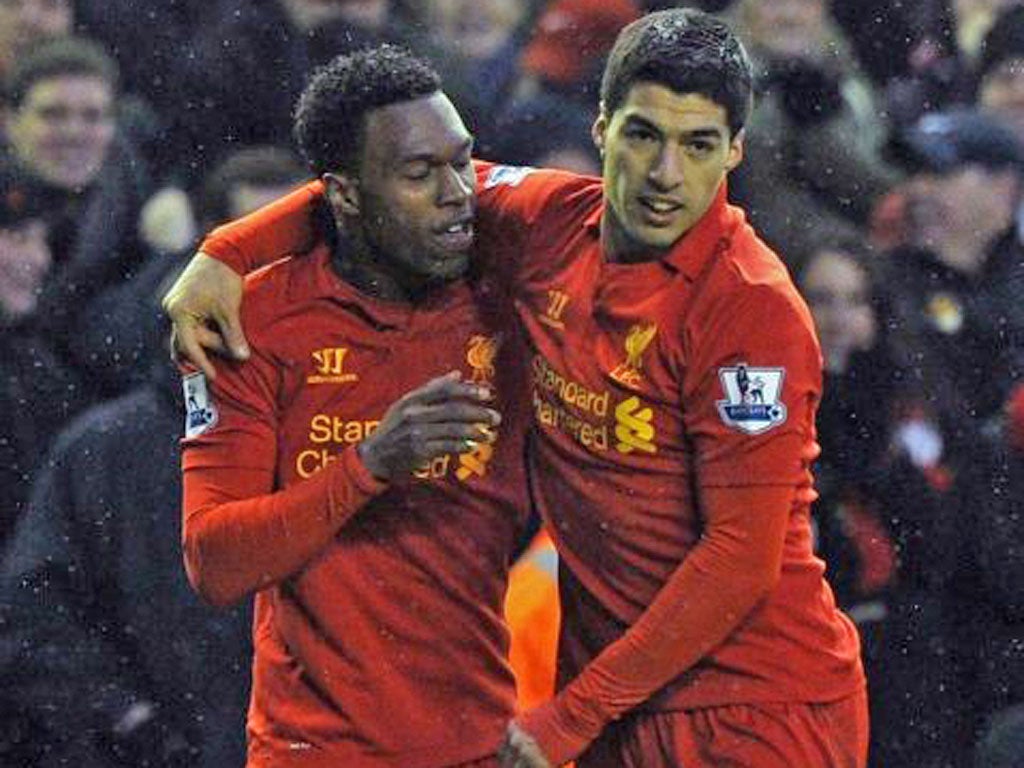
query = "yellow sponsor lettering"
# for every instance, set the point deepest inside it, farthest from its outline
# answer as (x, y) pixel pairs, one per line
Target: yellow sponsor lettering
(324, 428)
(436, 468)
(312, 460)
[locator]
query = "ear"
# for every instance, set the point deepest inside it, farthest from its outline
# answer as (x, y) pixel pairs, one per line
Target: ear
(735, 150)
(342, 192)
(599, 129)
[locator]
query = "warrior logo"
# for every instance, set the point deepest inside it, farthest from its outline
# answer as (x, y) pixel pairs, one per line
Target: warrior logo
(330, 367)
(753, 398)
(638, 339)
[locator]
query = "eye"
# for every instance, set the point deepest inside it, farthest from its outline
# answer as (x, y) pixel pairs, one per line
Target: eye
(700, 147)
(639, 133)
(418, 171)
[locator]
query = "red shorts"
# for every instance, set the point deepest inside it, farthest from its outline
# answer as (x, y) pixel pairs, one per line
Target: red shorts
(830, 735)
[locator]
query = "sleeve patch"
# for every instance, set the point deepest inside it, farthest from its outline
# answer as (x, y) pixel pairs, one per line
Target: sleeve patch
(753, 398)
(200, 412)
(507, 175)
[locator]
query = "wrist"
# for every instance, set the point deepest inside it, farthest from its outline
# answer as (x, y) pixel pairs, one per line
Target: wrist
(376, 468)
(558, 734)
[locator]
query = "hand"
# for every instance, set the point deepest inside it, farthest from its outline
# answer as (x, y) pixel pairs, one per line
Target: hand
(443, 416)
(519, 750)
(203, 305)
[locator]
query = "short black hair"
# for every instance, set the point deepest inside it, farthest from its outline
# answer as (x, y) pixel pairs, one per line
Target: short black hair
(686, 50)
(330, 117)
(61, 57)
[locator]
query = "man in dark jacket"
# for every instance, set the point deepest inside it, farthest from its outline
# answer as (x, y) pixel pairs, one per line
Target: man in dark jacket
(957, 319)
(105, 652)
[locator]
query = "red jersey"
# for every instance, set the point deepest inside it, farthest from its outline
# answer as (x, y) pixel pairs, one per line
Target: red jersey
(651, 383)
(674, 405)
(378, 632)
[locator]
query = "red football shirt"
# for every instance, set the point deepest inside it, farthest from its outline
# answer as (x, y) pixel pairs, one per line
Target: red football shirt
(379, 639)
(674, 402)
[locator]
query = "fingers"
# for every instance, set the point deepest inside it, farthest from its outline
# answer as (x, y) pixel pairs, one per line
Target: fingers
(458, 412)
(234, 337)
(448, 387)
(186, 343)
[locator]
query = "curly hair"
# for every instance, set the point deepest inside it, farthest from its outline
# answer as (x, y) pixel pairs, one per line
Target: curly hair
(330, 116)
(685, 50)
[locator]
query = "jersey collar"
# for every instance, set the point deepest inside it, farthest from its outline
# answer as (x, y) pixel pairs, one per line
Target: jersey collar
(704, 240)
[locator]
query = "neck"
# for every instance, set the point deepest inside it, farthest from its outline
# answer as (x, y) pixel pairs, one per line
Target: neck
(357, 263)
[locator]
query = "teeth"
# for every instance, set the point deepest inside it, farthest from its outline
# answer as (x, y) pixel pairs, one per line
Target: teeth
(456, 229)
(661, 207)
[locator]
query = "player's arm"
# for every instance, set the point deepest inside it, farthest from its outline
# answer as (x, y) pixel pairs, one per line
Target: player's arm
(203, 304)
(205, 301)
(735, 566)
(241, 536)
(747, 486)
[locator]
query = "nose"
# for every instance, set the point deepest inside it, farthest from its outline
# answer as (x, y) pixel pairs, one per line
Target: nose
(455, 189)
(666, 172)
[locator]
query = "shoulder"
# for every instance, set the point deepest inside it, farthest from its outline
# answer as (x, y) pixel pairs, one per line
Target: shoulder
(748, 269)
(531, 190)
(112, 425)
(283, 288)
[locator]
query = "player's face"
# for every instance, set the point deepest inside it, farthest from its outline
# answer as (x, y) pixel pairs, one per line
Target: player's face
(665, 156)
(63, 129)
(417, 190)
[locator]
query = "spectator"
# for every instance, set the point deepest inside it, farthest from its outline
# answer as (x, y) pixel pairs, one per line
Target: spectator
(989, 603)
(956, 283)
(485, 37)
(814, 143)
(546, 132)
(568, 45)
(127, 327)
(26, 23)
(885, 515)
(37, 393)
(106, 655)
(61, 127)
(1000, 72)
(274, 46)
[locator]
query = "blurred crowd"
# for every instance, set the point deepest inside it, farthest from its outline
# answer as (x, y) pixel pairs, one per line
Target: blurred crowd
(884, 162)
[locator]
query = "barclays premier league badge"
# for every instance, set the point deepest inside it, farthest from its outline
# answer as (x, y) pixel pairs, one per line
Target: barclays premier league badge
(753, 398)
(507, 175)
(200, 412)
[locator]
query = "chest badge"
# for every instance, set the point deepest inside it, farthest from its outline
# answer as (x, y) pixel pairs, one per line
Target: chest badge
(480, 355)
(629, 372)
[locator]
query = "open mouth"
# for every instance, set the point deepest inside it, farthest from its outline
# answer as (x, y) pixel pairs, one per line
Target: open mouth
(457, 236)
(659, 211)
